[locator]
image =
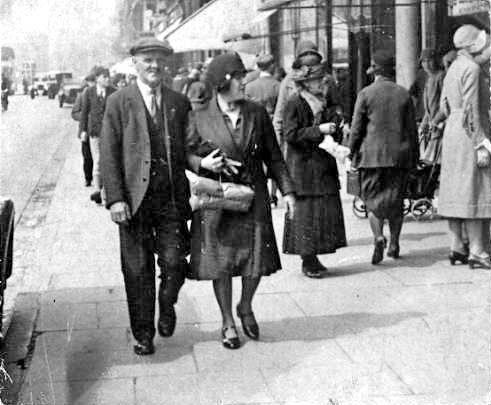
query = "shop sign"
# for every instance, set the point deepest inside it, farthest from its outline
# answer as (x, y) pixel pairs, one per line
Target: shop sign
(465, 7)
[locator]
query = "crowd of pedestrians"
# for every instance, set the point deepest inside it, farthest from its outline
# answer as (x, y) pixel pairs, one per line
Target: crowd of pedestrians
(237, 130)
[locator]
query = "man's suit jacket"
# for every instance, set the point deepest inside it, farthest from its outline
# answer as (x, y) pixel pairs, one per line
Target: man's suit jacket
(125, 147)
(92, 111)
(383, 129)
(264, 91)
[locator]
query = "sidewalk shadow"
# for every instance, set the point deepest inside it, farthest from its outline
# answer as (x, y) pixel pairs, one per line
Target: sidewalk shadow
(413, 237)
(92, 354)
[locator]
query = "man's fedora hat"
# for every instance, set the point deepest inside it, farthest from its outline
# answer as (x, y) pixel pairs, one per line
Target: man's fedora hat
(147, 44)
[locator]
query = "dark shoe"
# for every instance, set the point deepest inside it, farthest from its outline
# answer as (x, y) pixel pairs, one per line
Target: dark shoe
(378, 251)
(230, 342)
(96, 197)
(144, 347)
(88, 183)
(458, 257)
(311, 271)
(249, 324)
(393, 252)
(167, 322)
(480, 262)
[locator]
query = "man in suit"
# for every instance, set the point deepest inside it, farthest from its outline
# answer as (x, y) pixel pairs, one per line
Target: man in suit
(93, 106)
(88, 163)
(384, 146)
(143, 169)
(264, 90)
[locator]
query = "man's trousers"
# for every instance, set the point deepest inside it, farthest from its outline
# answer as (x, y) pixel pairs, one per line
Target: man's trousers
(157, 229)
(88, 163)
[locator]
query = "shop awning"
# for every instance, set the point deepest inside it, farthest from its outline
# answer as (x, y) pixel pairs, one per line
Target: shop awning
(273, 4)
(218, 20)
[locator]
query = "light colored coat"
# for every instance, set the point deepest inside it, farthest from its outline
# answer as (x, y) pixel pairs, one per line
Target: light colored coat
(465, 189)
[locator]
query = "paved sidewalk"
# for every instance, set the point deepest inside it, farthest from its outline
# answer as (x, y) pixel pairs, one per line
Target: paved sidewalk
(415, 331)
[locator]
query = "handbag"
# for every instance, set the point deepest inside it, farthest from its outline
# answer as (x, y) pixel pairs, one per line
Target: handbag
(215, 195)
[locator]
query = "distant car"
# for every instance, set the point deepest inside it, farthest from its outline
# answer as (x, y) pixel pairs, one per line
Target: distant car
(7, 217)
(53, 89)
(68, 92)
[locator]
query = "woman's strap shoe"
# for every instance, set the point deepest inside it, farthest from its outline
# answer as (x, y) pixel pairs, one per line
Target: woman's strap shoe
(230, 342)
(393, 252)
(249, 324)
(480, 262)
(458, 257)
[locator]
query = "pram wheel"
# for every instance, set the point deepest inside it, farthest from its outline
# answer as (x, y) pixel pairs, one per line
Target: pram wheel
(420, 208)
(359, 208)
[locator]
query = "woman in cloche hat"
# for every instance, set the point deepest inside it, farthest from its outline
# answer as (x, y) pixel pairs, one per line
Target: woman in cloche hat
(309, 122)
(465, 180)
(230, 139)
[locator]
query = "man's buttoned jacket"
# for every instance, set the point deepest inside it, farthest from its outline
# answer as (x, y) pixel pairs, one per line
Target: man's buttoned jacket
(125, 147)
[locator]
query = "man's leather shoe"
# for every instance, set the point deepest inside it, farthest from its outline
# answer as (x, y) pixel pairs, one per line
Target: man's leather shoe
(167, 322)
(96, 197)
(144, 347)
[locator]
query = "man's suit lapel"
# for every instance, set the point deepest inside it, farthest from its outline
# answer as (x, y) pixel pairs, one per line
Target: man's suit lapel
(138, 105)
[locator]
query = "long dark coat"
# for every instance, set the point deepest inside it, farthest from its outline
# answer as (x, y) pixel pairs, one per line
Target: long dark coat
(92, 111)
(313, 170)
(125, 147)
(232, 243)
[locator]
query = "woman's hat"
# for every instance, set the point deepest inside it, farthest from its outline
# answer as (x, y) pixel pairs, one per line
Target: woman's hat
(470, 37)
(306, 73)
(307, 47)
(223, 67)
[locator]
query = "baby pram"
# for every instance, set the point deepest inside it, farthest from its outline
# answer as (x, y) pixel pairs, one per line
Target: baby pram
(422, 183)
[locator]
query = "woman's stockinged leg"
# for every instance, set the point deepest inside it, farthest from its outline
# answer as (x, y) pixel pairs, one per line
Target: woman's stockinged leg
(376, 225)
(455, 226)
(475, 231)
(249, 287)
(223, 294)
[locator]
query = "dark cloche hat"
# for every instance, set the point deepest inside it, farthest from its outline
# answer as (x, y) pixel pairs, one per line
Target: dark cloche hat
(147, 44)
(223, 67)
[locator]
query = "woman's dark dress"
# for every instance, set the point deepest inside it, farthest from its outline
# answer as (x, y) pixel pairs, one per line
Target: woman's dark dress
(234, 243)
(318, 224)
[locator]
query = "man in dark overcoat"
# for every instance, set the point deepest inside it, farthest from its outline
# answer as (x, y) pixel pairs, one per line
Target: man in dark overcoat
(147, 192)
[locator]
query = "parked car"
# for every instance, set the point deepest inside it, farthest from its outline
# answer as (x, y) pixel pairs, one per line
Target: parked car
(7, 217)
(68, 92)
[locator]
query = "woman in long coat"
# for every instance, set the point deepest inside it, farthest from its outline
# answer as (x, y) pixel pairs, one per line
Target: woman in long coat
(465, 183)
(318, 225)
(226, 244)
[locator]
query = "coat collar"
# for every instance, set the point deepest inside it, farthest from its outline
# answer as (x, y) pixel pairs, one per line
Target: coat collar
(221, 132)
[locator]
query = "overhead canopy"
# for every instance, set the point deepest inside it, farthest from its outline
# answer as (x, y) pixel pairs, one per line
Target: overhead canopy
(207, 28)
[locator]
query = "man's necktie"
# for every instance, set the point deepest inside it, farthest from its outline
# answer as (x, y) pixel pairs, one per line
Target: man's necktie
(155, 111)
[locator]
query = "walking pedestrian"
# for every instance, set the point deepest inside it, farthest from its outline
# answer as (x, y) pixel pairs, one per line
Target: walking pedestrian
(88, 163)
(318, 225)
(93, 107)
(384, 146)
(465, 181)
(430, 132)
(226, 244)
(264, 90)
(143, 167)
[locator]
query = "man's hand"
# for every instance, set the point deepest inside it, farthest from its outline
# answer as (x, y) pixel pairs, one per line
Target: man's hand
(290, 205)
(84, 137)
(120, 212)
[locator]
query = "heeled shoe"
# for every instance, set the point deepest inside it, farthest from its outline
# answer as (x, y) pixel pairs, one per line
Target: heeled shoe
(274, 200)
(233, 342)
(251, 328)
(458, 257)
(393, 252)
(479, 262)
(378, 251)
